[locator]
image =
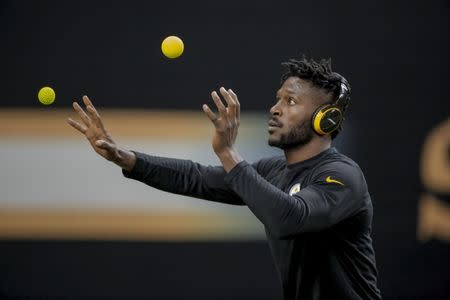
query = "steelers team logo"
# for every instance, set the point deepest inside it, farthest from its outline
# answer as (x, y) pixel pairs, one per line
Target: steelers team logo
(294, 189)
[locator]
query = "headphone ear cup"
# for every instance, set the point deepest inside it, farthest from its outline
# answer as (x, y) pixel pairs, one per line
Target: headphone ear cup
(326, 119)
(315, 121)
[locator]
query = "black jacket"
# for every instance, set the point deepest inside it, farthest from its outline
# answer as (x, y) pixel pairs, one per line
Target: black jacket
(317, 215)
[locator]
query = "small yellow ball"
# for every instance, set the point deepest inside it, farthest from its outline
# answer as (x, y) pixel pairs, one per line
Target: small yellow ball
(46, 95)
(172, 47)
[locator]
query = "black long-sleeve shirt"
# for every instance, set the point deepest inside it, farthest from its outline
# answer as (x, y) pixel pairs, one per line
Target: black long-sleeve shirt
(317, 215)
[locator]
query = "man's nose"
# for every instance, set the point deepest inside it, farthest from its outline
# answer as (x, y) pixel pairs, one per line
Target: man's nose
(275, 110)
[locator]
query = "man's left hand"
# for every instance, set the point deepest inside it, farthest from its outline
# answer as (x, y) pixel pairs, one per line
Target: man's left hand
(226, 124)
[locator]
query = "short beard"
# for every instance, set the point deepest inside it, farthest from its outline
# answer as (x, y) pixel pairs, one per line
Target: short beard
(298, 136)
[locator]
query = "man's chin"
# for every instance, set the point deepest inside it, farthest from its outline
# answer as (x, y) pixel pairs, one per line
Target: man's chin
(273, 142)
(277, 143)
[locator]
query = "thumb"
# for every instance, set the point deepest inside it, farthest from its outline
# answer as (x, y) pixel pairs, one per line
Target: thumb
(104, 145)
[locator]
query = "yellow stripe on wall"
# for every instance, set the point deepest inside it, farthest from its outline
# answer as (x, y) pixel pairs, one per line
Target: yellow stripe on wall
(125, 226)
(121, 123)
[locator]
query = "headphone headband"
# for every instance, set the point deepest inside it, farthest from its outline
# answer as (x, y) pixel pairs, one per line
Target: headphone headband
(344, 93)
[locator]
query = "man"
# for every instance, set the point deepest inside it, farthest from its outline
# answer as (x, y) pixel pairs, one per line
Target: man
(313, 201)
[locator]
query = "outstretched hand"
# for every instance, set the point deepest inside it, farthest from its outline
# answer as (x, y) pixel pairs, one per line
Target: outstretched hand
(226, 125)
(93, 129)
(227, 122)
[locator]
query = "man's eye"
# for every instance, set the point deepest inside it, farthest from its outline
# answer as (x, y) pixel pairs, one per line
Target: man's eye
(291, 101)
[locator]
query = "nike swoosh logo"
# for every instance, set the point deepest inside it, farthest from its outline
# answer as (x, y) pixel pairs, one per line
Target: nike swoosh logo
(329, 180)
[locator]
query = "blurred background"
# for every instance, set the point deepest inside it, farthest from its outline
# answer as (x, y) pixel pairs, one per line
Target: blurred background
(71, 226)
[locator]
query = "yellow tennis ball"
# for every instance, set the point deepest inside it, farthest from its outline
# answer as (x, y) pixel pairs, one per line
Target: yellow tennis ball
(46, 95)
(172, 47)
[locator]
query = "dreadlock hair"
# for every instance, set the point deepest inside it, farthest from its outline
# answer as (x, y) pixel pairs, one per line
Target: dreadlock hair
(319, 73)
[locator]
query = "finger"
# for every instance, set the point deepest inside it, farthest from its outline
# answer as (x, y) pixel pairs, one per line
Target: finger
(211, 115)
(95, 116)
(87, 101)
(82, 114)
(231, 105)
(238, 104)
(92, 111)
(219, 104)
(88, 104)
(77, 125)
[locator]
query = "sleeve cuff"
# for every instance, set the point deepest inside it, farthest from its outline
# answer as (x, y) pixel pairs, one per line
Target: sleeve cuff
(235, 171)
(138, 170)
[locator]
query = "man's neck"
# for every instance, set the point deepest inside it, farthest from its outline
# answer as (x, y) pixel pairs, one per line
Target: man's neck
(304, 152)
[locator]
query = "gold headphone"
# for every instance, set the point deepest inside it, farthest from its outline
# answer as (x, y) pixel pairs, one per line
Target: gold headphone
(328, 118)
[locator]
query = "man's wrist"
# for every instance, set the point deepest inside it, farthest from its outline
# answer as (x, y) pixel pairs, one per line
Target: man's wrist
(127, 160)
(229, 158)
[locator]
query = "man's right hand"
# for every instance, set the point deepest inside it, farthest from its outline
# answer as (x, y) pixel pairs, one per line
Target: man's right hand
(99, 138)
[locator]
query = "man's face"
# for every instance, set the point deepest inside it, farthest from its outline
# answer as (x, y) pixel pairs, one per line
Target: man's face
(290, 124)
